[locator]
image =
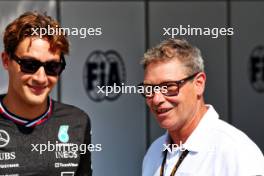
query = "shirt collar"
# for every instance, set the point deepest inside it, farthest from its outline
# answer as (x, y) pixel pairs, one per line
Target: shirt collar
(22, 121)
(200, 137)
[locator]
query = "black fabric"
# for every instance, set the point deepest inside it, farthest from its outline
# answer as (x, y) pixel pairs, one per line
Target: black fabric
(19, 157)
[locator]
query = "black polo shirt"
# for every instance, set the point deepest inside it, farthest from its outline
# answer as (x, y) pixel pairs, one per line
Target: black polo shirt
(53, 144)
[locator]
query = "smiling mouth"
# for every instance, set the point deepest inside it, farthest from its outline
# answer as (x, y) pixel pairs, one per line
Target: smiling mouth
(163, 111)
(37, 89)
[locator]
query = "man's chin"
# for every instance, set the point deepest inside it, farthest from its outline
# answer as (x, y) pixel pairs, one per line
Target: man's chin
(165, 124)
(36, 100)
(168, 124)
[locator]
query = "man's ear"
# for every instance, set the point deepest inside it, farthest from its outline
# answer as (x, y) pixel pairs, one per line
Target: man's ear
(200, 80)
(5, 59)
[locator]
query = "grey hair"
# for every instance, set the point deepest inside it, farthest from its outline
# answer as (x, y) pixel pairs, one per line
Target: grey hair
(188, 55)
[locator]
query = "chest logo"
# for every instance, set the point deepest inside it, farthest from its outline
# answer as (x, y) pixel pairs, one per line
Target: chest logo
(4, 138)
(63, 133)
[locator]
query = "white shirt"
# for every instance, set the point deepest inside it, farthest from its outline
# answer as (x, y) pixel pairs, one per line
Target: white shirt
(216, 148)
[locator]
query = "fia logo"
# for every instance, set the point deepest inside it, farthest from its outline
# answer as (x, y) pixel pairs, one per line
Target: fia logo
(257, 68)
(103, 69)
(63, 133)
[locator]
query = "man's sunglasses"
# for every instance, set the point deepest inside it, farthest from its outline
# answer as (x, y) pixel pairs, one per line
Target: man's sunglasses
(31, 65)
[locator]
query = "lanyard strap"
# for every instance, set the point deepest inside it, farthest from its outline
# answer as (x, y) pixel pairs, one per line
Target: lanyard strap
(183, 155)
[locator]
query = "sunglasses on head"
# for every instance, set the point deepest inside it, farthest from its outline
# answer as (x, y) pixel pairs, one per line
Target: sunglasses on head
(31, 65)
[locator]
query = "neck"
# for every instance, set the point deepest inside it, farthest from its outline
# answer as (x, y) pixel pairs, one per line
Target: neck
(180, 136)
(22, 109)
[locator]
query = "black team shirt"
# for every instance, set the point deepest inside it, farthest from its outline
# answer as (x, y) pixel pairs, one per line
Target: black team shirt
(53, 144)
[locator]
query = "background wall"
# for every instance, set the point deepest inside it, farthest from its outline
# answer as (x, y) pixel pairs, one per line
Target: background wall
(119, 124)
(123, 125)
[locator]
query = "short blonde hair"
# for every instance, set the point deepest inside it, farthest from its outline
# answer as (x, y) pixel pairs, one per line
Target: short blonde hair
(179, 49)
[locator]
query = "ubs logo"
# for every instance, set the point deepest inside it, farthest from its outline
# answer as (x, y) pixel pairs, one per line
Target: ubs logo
(4, 138)
(103, 69)
(256, 68)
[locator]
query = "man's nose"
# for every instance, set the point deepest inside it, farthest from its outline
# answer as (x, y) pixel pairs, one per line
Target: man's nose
(158, 98)
(40, 76)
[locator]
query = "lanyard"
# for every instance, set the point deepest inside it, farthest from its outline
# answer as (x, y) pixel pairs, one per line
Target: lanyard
(183, 155)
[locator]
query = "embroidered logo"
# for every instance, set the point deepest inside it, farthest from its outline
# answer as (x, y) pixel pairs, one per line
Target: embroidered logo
(4, 138)
(63, 133)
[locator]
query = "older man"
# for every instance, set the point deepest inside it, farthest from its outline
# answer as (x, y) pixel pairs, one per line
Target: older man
(197, 142)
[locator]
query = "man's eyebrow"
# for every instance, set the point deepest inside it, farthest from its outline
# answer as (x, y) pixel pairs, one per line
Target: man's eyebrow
(34, 58)
(28, 57)
(147, 82)
(162, 82)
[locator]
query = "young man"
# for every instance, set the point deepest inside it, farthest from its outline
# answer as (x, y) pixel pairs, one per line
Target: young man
(197, 142)
(39, 136)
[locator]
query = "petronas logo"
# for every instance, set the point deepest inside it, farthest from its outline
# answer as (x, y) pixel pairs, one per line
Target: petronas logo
(63, 133)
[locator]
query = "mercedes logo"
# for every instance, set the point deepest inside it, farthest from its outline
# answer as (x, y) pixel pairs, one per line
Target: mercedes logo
(4, 138)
